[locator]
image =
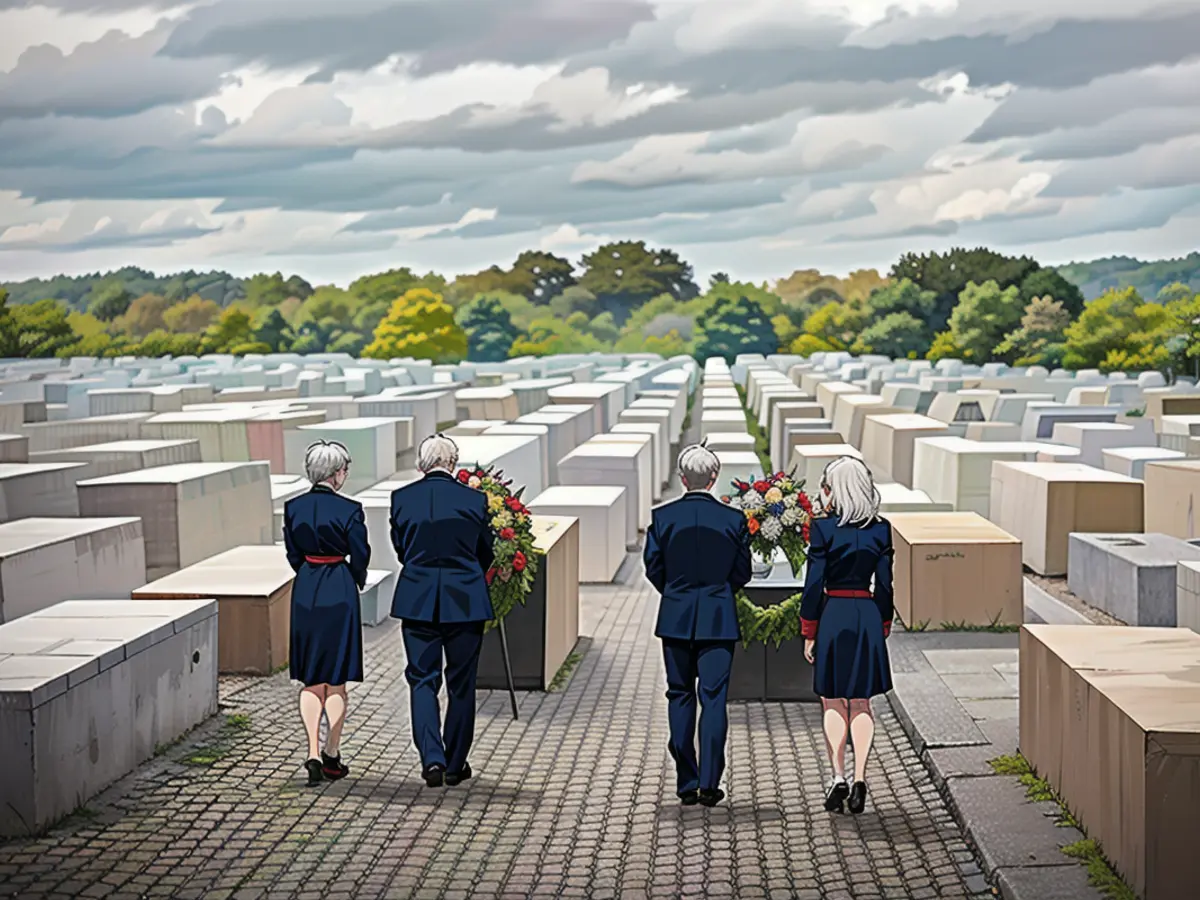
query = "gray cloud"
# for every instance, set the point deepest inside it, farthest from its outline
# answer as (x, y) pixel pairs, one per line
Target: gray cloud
(356, 35)
(112, 77)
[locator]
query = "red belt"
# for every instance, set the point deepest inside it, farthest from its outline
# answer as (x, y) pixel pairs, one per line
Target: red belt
(324, 560)
(849, 594)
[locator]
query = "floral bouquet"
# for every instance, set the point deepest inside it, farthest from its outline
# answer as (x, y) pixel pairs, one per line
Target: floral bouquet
(510, 579)
(778, 513)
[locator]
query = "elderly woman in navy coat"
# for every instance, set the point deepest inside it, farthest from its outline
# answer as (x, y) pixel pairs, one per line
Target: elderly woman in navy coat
(846, 614)
(325, 535)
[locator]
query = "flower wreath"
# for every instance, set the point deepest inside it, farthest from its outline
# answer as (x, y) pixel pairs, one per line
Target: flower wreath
(510, 579)
(779, 516)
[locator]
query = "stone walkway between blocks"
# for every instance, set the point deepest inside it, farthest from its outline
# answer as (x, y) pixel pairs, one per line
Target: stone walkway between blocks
(576, 799)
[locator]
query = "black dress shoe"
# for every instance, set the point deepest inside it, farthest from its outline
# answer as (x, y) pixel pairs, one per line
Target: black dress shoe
(836, 797)
(435, 775)
(689, 798)
(332, 768)
(453, 778)
(858, 797)
(315, 773)
(711, 797)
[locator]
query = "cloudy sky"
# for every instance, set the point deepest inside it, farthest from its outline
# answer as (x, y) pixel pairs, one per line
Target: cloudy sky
(336, 137)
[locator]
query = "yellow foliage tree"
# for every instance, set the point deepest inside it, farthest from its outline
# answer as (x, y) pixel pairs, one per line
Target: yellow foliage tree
(419, 325)
(808, 344)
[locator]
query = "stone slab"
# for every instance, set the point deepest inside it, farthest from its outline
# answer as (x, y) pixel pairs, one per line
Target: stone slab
(1130, 576)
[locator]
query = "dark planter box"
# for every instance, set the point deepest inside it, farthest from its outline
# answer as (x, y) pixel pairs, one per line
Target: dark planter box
(763, 672)
(543, 632)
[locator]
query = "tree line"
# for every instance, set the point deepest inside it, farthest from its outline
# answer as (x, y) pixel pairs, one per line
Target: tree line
(972, 304)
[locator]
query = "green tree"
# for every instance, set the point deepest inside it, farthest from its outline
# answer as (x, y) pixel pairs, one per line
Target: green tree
(669, 345)
(274, 332)
(1175, 293)
(1040, 340)
(902, 296)
(164, 343)
(233, 328)
(538, 276)
(109, 301)
(808, 344)
(548, 337)
(272, 290)
(625, 274)
(943, 347)
(489, 328)
(191, 316)
(387, 287)
(419, 325)
(900, 335)
(10, 337)
(984, 315)
(329, 302)
(948, 274)
(573, 299)
(1042, 283)
(731, 327)
(1119, 331)
(837, 325)
(604, 328)
(718, 278)
(42, 328)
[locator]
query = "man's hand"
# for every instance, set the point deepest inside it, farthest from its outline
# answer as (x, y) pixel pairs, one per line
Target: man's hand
(809, 647)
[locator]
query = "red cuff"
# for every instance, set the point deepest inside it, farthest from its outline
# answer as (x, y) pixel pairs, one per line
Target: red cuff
(887, 627)
(808, 629)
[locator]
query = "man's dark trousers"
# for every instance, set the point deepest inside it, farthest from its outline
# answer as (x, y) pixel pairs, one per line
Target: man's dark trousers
(709, 663)
(424, 644)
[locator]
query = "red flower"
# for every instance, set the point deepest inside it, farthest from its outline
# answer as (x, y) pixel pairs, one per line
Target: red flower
(519, 561)
(490, 576)
(741, 485)
(464, 476)
(513, 503)
(507, 534)
(753, 525)
(479, 473)
(762, 486)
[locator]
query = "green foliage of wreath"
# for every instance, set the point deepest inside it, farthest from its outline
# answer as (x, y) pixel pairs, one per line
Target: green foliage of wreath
(768, 624)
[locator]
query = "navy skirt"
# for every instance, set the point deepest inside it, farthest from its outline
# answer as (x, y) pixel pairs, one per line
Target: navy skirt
(850, 656)
(326, 640)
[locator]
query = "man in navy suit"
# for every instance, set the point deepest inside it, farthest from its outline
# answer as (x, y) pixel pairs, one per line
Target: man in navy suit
(698, 557)
(442, 536)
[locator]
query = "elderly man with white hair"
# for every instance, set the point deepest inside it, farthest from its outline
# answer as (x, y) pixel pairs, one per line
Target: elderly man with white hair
(442, 536)
(697, 557)
(325, 535)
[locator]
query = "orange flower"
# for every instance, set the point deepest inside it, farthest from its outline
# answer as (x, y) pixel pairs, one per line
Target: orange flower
(753, 525)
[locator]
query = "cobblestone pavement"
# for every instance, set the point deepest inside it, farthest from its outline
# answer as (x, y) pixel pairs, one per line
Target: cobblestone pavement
(576, 799)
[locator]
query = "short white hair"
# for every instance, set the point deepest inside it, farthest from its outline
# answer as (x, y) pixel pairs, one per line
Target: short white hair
(852, 492)
(437, 452)
(698, 466)
(324, 459)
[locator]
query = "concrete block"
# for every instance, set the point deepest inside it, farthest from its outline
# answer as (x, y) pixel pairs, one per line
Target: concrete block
(47, 561)
(88, 690)
(1131, 461)
(375, 600)
(117, 457)
(38, 489)
(1130, 576)
(614, 465)
(601, 512)
(1187, 595)
(189, 512)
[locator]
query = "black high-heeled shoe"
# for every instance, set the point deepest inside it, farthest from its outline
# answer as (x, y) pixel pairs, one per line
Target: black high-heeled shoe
(858, 797)
(332, 768)
(315, 773)
(838, 792)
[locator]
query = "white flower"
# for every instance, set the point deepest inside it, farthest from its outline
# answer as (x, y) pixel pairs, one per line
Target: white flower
(735, 502)
(790, 501)
(752, 500)
(772, 529)
(792, 516)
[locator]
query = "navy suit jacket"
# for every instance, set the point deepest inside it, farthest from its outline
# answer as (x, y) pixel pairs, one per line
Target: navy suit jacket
(441, 530)
(698, 557)
(847, 557)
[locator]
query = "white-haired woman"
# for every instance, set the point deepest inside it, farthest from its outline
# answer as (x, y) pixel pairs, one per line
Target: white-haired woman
(326, 538)
(846, 615)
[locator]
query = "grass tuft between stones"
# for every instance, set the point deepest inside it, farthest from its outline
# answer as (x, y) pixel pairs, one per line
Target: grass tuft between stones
(563, 675)
(1101, 874)
(762, 447)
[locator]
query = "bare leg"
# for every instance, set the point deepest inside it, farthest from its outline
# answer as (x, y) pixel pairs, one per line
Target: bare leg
(335, 709)
(312, 701)
(836, 730)
(862, 732)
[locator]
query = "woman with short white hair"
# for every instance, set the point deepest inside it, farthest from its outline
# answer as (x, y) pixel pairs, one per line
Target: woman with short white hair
(845, 618)
(325, 534)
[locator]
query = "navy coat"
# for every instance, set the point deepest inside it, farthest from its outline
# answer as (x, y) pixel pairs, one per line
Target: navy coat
(847, 557)
(441, 530)
(698, 557)
(326, 628)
